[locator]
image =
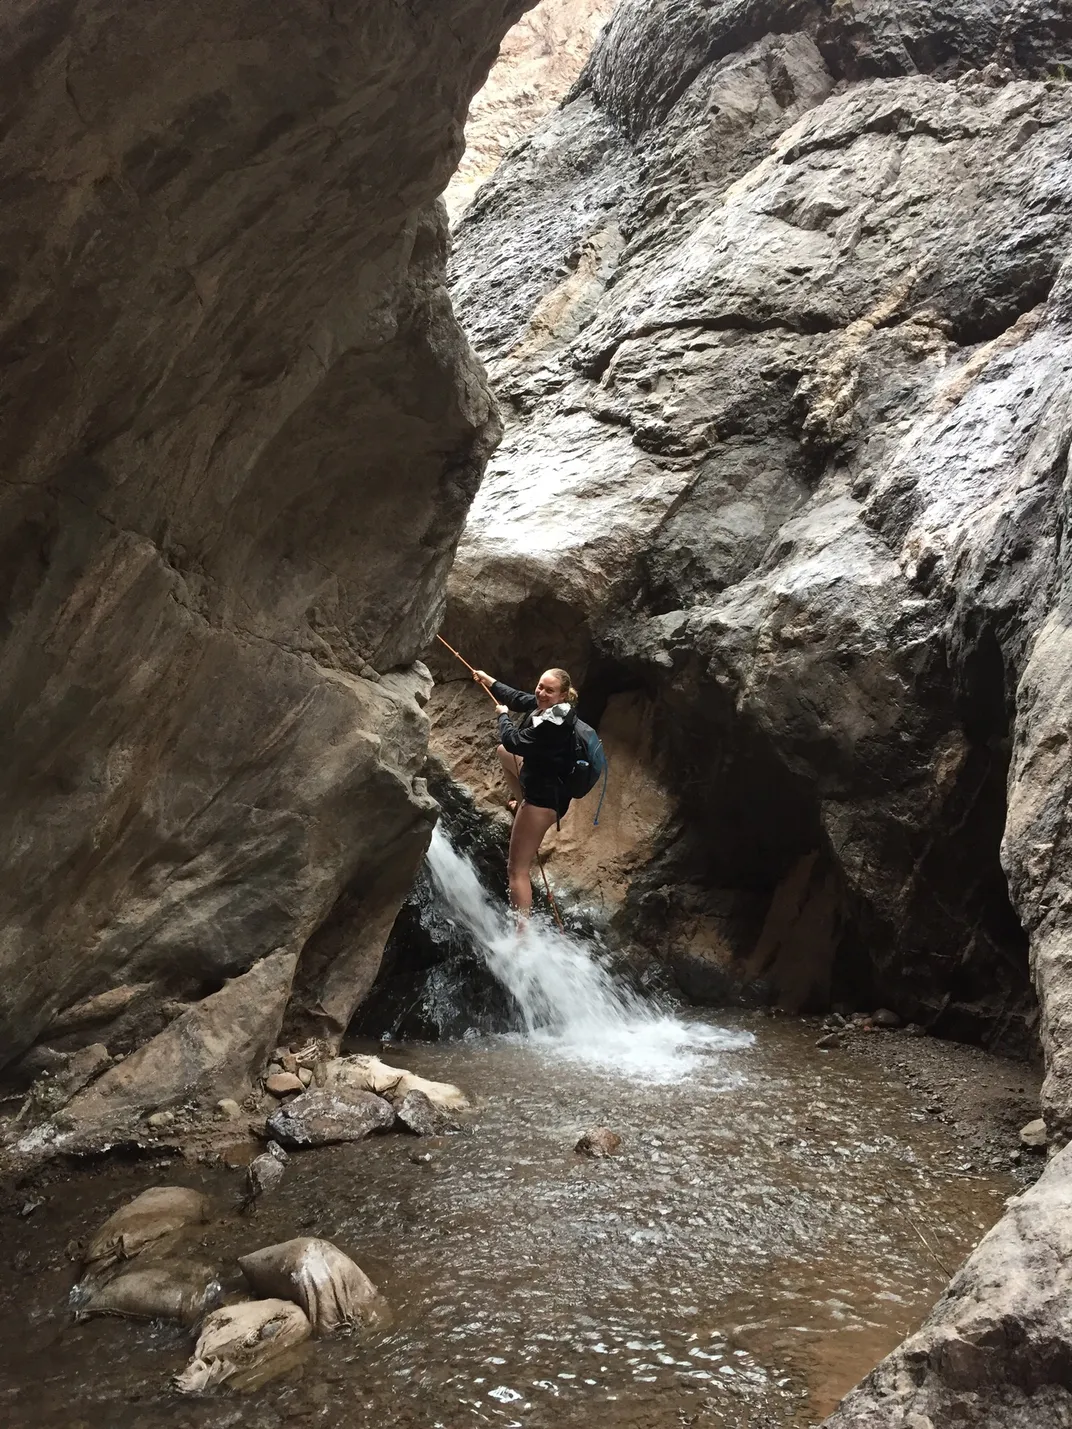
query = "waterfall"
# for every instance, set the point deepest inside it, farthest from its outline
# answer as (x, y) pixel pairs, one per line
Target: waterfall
(566, 997)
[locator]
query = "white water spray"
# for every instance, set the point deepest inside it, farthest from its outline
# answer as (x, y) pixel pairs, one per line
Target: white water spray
(566, 998)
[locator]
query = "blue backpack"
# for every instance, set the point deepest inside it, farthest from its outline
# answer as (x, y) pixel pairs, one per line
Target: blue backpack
(589, 764)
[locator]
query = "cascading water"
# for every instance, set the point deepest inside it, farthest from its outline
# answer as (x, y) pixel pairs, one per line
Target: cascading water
(565, 997)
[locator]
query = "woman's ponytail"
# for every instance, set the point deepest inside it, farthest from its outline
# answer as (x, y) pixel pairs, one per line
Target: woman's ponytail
(565, 684)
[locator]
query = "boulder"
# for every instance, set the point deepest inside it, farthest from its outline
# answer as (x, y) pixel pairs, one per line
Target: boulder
(884, 1017)
(245, 1345)
(183, 1290)
(155, 1216)
(1034, 1135)
(333, 1291)
(263, 1174)
(208, 1049)
(281, 1084)
(319, 1117)
(59, 1083)
(419, 1114)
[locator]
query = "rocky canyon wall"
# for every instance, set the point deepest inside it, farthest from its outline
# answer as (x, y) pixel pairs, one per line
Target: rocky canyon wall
(777, 309)
(540, 59)
(241, 430)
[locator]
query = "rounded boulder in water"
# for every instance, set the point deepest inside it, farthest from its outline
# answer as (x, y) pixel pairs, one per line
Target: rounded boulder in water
(182, 1290)
(158, 1213)
(417, 1113)
(333, 1291)
(320, 1117)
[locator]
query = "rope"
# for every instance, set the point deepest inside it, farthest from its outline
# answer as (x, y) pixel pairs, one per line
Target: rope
(550, 895)
(469, 667)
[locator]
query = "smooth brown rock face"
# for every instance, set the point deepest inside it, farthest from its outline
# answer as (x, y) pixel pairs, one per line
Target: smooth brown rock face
(241, 429)
(776, 309)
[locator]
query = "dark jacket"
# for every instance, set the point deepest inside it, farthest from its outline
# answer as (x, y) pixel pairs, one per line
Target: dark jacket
(546, 748)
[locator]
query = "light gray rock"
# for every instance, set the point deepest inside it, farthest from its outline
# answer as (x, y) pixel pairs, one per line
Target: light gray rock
(241, 431)
(319, 1118)
(996, 1349)
(1034, 1135)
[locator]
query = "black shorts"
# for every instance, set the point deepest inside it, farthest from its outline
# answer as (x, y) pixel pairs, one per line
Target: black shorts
(546, 794)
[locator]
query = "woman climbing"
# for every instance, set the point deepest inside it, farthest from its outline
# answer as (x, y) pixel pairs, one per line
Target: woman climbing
(536, 757)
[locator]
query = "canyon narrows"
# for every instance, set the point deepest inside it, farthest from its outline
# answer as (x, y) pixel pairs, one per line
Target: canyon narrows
(241, 431)
(777, 306)
(771, 326)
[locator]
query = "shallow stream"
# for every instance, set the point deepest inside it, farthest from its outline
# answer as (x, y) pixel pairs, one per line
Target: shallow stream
(775, 1222)
(751, 1253)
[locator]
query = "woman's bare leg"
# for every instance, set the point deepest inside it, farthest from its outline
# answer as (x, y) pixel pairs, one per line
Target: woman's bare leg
(512, 765)
(530, 825)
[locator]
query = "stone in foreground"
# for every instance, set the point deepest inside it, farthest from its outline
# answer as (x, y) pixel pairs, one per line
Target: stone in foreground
(419, 1114)
(181, 1290)
(599, 1141)
(159, 1212)
(370, 1074)
(246, 1345)
(1034, 1135)
(321, 1117)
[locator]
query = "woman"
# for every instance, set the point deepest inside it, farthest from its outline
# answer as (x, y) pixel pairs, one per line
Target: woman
(536, 757)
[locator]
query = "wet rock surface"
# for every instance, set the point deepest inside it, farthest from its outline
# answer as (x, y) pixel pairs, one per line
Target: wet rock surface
(995, 1350)
(241, 430)
(777, 308)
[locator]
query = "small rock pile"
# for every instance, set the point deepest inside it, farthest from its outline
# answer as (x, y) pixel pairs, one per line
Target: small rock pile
(134, 1266)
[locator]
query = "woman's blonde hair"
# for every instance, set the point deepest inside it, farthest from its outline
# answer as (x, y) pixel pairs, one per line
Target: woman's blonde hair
(565, 683)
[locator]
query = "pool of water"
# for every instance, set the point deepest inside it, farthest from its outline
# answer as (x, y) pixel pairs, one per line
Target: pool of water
(773, 1225)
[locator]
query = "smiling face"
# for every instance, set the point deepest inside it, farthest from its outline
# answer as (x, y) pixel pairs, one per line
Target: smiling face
(549, 692)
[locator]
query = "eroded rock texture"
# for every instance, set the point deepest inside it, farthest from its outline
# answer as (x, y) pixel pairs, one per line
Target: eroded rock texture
(776, 306)
(241, 429)
(540, 59)
(997, 1348)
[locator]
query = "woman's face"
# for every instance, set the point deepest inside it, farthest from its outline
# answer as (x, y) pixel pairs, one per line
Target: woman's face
(548, 692)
